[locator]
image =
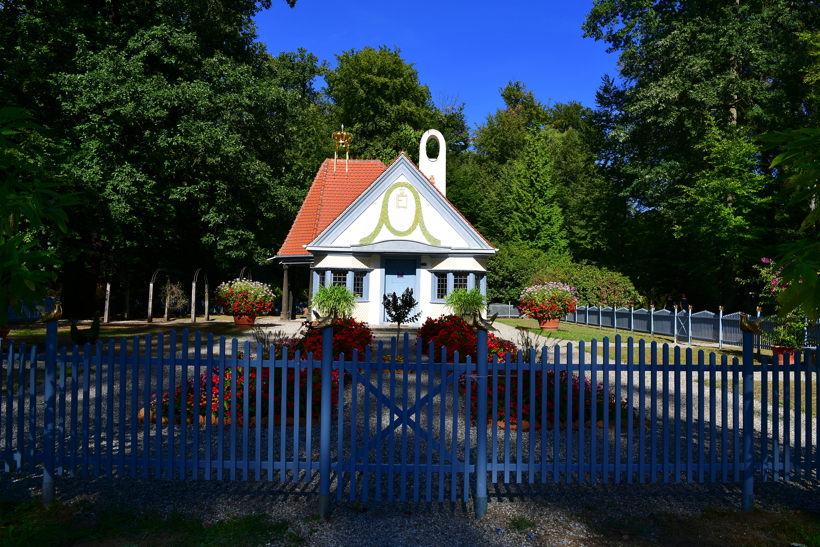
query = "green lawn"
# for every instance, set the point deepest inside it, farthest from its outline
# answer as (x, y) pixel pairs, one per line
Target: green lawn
(575, 333)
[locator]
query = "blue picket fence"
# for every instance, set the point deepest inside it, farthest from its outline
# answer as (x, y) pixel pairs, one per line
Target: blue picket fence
(684, 326)
(407, 423)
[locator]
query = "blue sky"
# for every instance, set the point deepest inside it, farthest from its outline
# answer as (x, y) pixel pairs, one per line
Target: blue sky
(463, 49)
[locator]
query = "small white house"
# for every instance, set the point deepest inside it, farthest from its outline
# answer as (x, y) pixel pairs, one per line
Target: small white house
(380, 230)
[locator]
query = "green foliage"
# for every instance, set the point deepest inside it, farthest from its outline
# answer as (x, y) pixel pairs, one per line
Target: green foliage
(595, 286)
(533, 215)
(511, 269)
(378, 97)
(184, 139)
(698, 82)
(520, 524)
(399, 309)
(463, 301)
(800, 260)
(27, 205)
(334, 297)
(29, 524)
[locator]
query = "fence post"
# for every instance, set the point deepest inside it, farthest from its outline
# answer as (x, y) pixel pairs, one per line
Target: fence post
(720, 327)
(757, 338)
(631, 319)
(481, 427)
(689, 326)
(50, 414)
(747, 496)
(600, 318)
(675, 325)
(586, 314)
(615, 317)
(324, 432)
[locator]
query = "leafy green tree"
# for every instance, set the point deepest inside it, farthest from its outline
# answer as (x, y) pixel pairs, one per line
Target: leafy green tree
(688, 69)
(184, 139)
(378, 97)
(27, 203)
(533, 216)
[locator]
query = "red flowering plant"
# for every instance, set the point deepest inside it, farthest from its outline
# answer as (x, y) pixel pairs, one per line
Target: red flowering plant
(532, 411)
(245, 297)
(551, 300)
(453, 333)
(348, 334)
(790, 328)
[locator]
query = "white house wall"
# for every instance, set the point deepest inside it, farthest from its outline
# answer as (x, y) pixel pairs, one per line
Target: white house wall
(459, 263)
(342, 261)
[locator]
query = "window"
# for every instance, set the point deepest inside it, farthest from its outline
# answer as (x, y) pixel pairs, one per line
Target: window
(445, 283)
(441, 286)
(358, 284)
(459, 281)
(340, 278)
(354, 280)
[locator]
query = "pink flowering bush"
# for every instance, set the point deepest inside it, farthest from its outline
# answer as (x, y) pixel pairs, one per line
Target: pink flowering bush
(790, 330)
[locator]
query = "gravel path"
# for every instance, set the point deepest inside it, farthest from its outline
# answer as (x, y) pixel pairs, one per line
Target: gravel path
(564, 514)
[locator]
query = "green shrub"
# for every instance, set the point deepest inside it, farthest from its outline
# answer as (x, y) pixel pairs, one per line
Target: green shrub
(462, 301)
(595, 286)
(334, 297)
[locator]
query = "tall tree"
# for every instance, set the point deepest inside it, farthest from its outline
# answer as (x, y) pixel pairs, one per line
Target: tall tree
(186, 141)
(685, 67)
(378, 97)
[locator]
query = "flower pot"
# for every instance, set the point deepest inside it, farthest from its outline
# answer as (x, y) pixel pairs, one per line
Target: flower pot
(783, 352)
(244, 320)
(4, 333)
(548, 324)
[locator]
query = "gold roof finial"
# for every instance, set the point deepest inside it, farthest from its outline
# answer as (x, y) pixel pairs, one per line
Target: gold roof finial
(341, 138)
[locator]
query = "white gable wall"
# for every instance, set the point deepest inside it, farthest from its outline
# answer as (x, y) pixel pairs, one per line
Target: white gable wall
(401, 219)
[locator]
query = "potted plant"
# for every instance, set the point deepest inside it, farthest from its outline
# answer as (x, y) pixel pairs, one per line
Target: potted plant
(462, 301)
(548, 303)
(245, 299)
(334, 297)
(788, 335)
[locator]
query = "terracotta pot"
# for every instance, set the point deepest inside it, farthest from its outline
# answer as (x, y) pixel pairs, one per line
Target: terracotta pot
(244, 320)
(784, 351)
(548, 324)
(4, 333)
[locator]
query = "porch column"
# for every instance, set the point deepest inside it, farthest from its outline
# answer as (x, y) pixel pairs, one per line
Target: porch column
(285, 315)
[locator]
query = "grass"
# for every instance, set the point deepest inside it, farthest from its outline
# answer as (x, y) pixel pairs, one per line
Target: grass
(219, 325)
(574, 332)
(31, 525)
(711, 528)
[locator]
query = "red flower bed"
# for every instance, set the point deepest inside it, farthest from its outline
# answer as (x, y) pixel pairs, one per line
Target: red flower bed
(453, 333)
(348, 334)
(533, 414)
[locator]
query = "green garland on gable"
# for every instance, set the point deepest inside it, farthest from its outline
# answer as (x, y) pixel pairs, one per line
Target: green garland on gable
(384, 219)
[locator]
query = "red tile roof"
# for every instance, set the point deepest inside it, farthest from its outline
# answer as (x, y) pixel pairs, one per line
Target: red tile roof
(329, 195)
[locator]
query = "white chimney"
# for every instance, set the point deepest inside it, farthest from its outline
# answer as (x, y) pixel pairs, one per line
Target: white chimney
(434, 169)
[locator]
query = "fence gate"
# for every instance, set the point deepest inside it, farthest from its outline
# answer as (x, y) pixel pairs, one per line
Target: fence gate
(402, 428)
